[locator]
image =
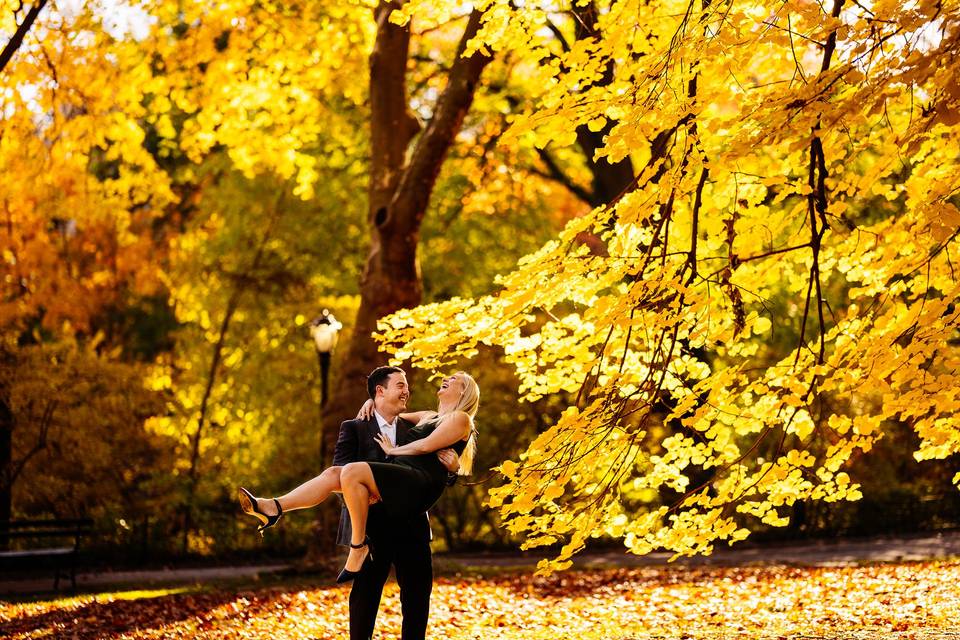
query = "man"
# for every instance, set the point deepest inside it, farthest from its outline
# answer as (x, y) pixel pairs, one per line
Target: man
(401, 542)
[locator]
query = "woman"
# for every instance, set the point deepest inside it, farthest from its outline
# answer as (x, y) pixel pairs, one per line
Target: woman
(408, 485)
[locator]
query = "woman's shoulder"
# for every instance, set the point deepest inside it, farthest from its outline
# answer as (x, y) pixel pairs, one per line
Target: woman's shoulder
(459, 419)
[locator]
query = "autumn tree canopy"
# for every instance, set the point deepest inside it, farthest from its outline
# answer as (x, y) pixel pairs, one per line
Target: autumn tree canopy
(185, 186)
(775, 291)
(754, 283)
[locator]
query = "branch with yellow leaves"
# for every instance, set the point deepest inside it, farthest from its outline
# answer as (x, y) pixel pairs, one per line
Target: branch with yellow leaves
(817, 206)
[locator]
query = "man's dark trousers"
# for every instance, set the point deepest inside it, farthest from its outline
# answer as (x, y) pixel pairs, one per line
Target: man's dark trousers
(403, 542)
(400, 543)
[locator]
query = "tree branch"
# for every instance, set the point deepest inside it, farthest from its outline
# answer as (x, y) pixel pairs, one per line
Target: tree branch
(697, 203)
(41, 444)
(555, 173)
(564, 45)
(20, 33)
(408, 203)
(817, 207)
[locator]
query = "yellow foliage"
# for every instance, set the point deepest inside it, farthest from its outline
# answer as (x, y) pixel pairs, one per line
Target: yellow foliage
(780, 279)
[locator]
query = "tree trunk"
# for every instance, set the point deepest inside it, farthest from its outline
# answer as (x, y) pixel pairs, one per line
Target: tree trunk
(401, 183)
(399, 193)
(608, 180)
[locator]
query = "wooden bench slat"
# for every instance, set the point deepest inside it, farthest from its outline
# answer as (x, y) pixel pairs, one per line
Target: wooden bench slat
(67, 533)
(31, 553)
(18, 524)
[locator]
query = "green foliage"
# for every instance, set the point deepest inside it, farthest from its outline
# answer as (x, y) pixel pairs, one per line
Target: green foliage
(464, 249)
(252, 268)
(80, 448)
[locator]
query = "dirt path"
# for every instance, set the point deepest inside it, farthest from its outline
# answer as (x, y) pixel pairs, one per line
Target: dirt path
(87, 581)
(839, 552)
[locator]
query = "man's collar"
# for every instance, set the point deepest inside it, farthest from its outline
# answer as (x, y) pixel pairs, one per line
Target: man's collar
(381, 421)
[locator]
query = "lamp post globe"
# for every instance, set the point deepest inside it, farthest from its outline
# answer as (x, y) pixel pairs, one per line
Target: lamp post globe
(324, 329)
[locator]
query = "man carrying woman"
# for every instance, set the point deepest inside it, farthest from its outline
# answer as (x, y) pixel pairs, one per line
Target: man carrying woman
(389, 471)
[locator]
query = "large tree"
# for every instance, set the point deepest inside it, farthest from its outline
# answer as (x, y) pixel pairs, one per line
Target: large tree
(405, 160)
(781, 278)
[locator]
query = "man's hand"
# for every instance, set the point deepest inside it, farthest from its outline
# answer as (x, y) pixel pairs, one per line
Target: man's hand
(366, 410)
(449, 459)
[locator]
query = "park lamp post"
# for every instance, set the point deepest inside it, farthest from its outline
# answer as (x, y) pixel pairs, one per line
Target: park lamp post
(324, 329)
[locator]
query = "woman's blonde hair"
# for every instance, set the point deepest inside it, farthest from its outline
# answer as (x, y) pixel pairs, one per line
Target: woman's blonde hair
(469, 403)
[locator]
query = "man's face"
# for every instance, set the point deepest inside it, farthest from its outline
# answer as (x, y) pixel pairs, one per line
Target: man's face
(393, 397)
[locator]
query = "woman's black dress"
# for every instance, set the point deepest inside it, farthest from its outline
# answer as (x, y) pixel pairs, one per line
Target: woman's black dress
(410, 485)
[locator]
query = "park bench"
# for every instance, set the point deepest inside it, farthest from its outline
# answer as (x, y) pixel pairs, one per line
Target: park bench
(32, 533)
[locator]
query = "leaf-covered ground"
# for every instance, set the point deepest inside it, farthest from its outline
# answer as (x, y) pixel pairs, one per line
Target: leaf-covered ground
(917, 600)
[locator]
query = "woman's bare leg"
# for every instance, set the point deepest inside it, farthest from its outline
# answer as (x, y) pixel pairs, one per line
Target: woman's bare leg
(309, 494)
(357, 485)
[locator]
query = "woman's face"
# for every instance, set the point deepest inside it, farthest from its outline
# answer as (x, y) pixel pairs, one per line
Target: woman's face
(451, 389)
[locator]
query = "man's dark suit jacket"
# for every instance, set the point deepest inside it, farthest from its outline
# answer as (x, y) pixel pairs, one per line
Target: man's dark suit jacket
(356, 444)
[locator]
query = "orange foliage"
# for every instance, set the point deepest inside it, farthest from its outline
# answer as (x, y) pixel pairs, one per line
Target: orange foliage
(889, 601)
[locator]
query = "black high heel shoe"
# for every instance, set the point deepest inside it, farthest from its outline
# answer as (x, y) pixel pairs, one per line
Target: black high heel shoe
(249, 505)
(346, 575)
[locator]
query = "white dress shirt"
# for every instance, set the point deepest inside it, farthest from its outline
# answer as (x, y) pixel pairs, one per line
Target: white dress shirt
(389, 429)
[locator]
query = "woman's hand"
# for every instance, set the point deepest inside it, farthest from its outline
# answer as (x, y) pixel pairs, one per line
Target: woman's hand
(366, 410)
(385, 444)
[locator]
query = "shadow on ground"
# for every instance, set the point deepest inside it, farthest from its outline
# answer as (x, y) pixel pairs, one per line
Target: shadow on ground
(117, 617)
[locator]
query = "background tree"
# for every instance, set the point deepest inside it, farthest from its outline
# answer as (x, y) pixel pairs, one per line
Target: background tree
(404, 165)
(80, 196)
(72, 410)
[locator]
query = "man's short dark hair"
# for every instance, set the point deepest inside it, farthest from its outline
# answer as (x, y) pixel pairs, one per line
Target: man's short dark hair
(378, 378)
